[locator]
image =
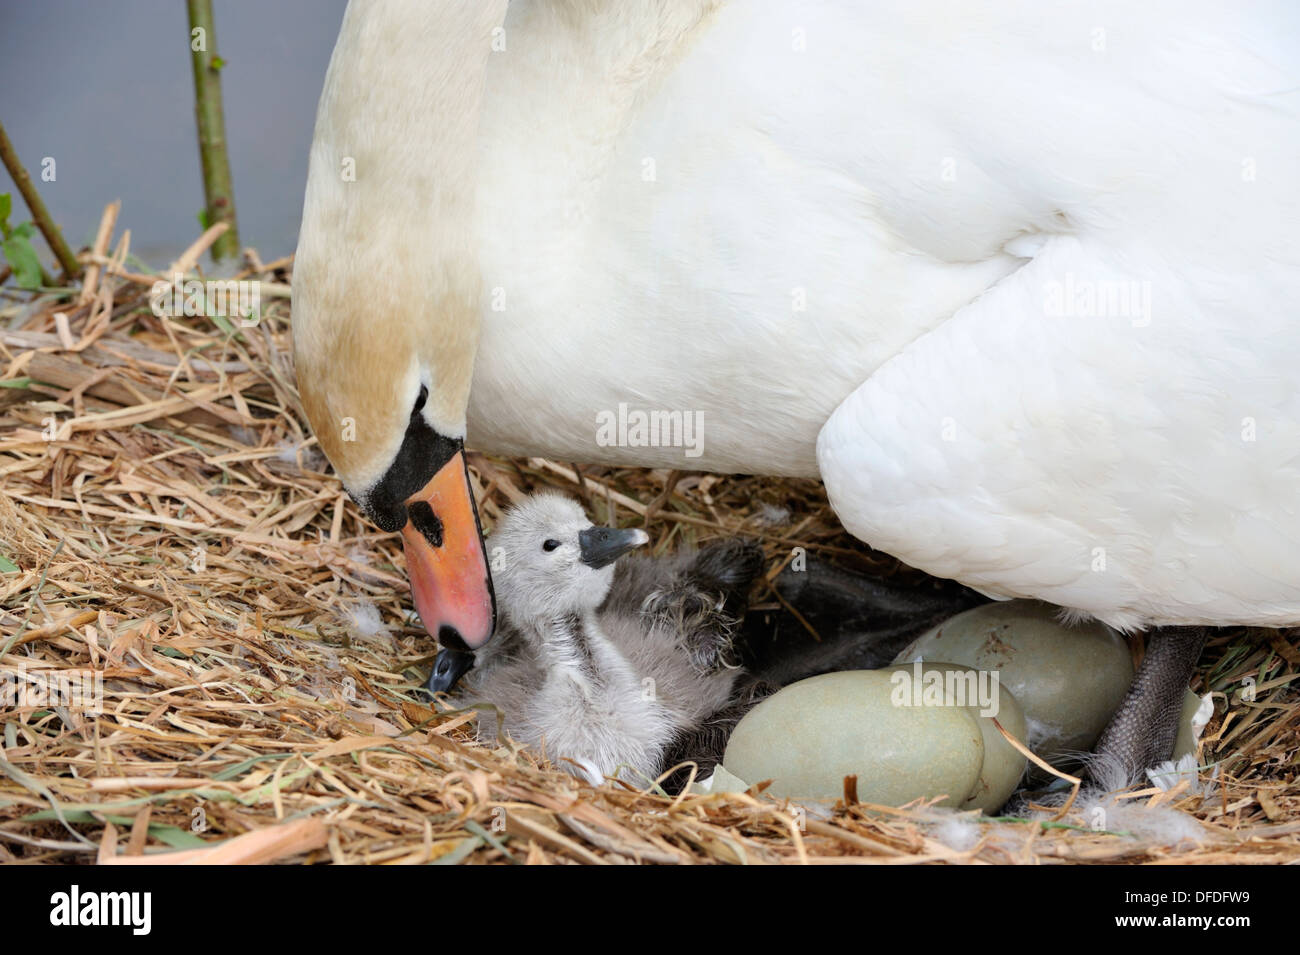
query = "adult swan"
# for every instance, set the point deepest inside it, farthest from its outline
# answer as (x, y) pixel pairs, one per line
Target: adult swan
(1018, 283)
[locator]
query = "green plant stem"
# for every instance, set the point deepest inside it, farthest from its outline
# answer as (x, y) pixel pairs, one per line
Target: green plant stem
(40, 214)
(217, 187)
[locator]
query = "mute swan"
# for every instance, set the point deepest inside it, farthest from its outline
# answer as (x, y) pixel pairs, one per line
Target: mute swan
(612, 667)
(1018, 284)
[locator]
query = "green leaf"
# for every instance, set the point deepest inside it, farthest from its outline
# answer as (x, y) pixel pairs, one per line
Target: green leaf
(223, 323)
(21, 383)
(460, 853)
(7, 566)
(230, 772)
(178, 838)
(6, 205)
(204, 221)
(27, 230)
(168, 835)
(218, 62)
(22, 259)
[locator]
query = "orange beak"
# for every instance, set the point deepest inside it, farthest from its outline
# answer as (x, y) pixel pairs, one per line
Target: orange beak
(445, 560)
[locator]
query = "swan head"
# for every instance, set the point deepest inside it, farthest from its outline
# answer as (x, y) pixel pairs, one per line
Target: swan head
(384, 385)
(386, 289)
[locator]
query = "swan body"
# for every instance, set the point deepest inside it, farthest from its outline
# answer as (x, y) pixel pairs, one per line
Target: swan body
(1018, 285)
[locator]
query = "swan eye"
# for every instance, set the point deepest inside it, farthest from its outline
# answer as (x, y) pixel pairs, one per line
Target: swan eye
(550, 545)
(419, 402)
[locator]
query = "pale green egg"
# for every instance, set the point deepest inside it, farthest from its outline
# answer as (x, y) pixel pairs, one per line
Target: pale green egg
(867, 723)
(988, 700)
(1068, 680)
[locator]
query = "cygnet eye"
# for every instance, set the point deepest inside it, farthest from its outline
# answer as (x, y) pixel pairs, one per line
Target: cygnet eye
(550, 545)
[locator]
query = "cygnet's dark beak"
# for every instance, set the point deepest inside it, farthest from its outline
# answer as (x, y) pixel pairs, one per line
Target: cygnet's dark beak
(601, 546)
(448, 668)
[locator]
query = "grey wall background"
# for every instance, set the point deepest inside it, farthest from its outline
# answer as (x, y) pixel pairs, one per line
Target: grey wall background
(104, 87)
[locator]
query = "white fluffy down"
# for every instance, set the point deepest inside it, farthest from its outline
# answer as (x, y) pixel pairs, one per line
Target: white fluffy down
(363, 619)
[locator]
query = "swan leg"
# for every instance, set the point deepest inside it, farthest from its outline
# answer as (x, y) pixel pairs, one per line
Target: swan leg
(1143, 730)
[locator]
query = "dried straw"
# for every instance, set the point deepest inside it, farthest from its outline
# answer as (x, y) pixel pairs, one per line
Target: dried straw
(171, 527)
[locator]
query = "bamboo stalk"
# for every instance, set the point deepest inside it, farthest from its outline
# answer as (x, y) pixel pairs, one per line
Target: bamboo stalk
(40, 214)
(210, 116)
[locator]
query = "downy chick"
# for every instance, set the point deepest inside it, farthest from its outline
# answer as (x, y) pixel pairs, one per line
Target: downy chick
(611, 671)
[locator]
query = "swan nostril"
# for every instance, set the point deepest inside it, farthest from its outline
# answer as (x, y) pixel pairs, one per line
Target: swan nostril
(426, 522)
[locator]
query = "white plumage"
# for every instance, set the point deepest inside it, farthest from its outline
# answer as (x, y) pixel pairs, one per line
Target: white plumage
(1135, 459)
(1018, 282)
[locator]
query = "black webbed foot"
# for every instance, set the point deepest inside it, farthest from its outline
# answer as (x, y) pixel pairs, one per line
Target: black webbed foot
(861, 621)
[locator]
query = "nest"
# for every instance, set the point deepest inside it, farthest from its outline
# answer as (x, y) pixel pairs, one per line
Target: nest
(168, 529)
